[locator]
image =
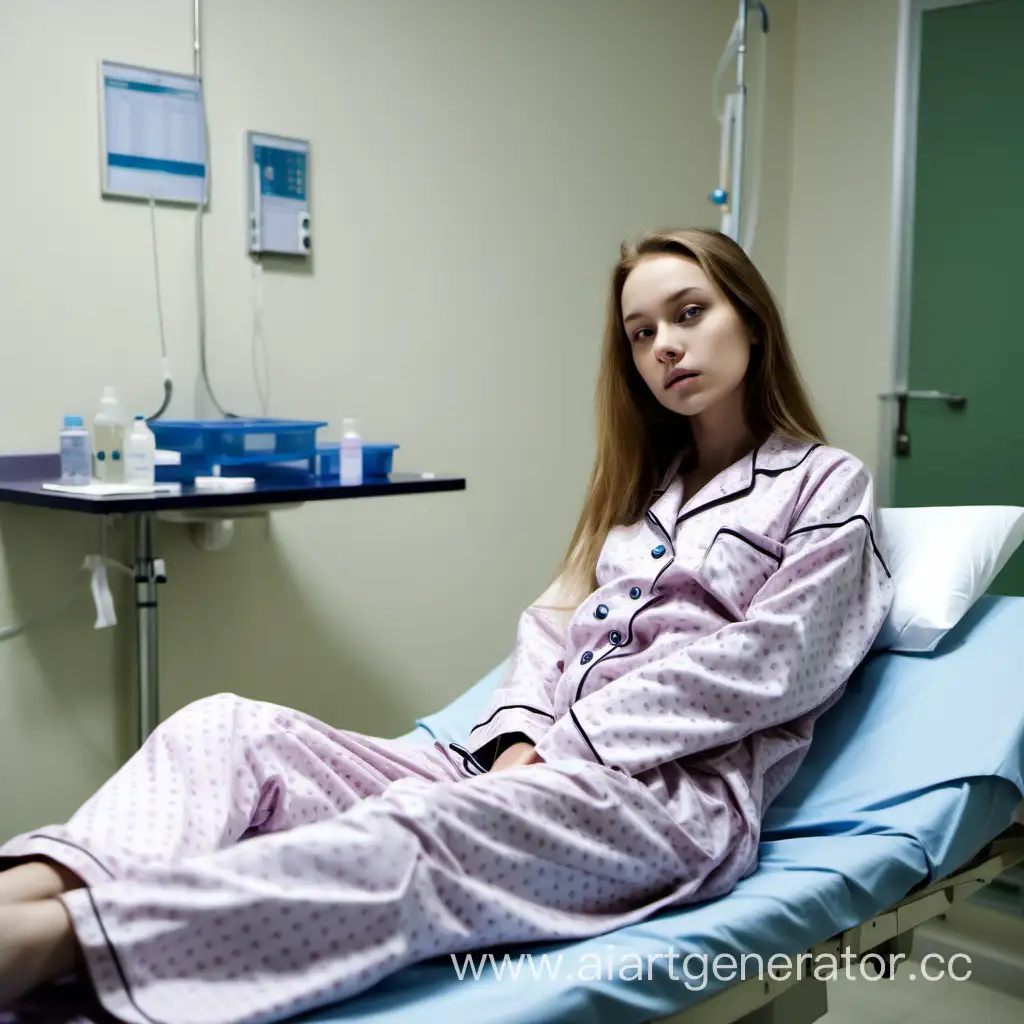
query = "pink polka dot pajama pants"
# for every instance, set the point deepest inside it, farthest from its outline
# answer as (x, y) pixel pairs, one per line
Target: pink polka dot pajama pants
(251, 863)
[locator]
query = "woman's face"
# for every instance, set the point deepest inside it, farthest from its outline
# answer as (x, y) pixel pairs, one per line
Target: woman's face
(688, 343)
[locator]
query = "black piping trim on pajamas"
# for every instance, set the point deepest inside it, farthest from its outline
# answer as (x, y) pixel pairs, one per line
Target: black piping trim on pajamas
(629, 628)
(746, 540)
(668, 537)
(75, 846)
(586, 738)
(755, 473)
(846, 522)
(507, 707)
(467, 759)
(608, 656)
(611, 653)
(626, 640)
(117, 960)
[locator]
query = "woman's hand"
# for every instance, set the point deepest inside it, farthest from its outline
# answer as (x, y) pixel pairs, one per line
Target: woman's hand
(517, 754)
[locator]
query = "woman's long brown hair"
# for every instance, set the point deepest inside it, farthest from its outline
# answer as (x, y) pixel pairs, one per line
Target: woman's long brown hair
(637, 437)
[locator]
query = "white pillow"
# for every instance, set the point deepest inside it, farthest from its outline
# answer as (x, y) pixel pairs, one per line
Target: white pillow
(942, 560)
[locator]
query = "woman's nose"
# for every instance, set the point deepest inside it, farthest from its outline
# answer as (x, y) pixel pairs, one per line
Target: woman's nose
(667, 344)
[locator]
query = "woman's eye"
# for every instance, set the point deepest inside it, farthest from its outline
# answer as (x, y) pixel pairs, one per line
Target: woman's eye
(642, 334)
(691, 312)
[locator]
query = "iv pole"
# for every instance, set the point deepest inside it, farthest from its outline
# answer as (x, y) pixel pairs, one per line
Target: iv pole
(739, 130)
(729, 194)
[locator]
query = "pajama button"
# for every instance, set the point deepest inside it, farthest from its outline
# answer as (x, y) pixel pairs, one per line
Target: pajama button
(615, 638)
(587, 656)
(634, 593)
(601, 611)
(658, 551)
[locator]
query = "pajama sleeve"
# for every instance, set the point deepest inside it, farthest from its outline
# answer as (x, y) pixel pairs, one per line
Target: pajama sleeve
(804, 633)
(523, 703)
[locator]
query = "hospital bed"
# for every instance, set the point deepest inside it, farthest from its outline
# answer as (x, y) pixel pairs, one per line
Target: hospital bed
(903, 807)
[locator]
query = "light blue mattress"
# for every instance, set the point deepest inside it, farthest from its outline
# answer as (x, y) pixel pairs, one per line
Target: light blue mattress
(909, 775)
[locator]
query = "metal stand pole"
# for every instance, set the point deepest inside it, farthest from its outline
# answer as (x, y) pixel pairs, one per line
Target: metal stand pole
(736, 191)
(149, 572)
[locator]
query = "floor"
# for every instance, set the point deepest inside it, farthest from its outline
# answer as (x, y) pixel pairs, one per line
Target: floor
(945, 1001)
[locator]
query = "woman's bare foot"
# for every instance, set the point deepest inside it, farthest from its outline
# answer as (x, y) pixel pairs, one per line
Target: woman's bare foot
(37, 945)
(36, 880)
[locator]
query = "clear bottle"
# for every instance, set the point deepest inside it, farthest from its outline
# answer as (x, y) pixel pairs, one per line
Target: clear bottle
(351, 454)
(140, 454)
(75, 453)
(108, 439)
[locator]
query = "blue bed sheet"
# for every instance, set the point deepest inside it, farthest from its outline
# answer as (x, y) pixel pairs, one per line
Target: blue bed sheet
(919, 765)
(909, 775)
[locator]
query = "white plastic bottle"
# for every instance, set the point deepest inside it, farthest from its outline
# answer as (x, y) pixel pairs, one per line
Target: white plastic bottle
(351, 454)
(140, 464)
(109, 433)
(75, 453)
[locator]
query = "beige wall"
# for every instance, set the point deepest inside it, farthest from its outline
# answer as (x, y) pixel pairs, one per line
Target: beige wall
(475, 166)
(839, 272)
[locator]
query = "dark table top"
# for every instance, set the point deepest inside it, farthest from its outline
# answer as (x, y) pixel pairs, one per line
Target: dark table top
(22, 478)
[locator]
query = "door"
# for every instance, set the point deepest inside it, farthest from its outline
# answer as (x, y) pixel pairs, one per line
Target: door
(966, 290)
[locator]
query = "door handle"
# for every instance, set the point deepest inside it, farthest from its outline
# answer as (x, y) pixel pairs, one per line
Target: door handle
(955, 402)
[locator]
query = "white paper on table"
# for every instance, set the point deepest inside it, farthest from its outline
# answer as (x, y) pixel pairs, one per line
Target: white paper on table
(104, 490)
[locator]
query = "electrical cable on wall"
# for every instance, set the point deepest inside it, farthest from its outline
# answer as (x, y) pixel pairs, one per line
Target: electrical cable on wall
(260, 352)
(168, 383)
(200, 210)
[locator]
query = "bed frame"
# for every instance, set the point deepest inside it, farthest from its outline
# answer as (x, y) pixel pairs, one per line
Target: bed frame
(802, 1000)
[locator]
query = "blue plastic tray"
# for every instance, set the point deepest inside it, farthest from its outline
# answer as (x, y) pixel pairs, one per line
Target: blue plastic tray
(268, 449)
(377, 459)
(238, 438)
(235, 444)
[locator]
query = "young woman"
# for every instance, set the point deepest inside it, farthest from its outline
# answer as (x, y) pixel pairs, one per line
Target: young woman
(722, 584)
